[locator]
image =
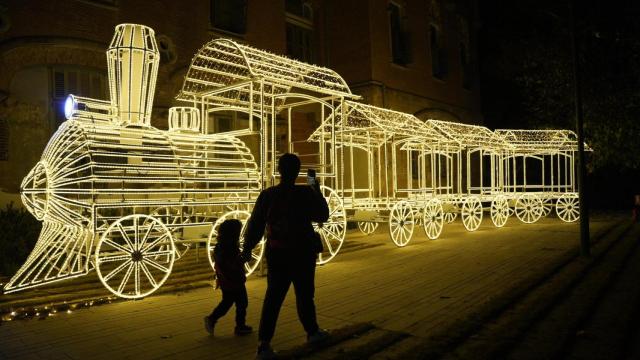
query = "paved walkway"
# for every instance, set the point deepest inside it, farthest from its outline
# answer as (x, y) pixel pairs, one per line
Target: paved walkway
(417, 289)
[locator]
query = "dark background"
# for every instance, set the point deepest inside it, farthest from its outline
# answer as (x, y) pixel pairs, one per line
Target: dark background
(526, 71)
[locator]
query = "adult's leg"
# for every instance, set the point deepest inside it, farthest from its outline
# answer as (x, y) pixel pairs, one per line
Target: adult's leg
(304, 286)
(241, 306)
(278, 282)
(224, 306)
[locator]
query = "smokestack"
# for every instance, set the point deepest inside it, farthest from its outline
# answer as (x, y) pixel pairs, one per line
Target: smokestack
(133, 60)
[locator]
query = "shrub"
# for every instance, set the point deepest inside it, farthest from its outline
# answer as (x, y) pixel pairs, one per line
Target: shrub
(19, 231)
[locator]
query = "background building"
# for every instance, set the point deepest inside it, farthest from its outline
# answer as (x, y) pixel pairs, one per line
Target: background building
(416, 56)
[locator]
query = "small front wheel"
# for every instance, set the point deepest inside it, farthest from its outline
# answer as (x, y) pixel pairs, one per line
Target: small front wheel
(401, 223)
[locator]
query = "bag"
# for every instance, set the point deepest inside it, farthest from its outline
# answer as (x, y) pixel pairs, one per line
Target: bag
(317, 243)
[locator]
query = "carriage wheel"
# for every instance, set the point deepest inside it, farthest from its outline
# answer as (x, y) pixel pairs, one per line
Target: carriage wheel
(450, 217)
(433, 219)
(134, 256)
(333, 231)
(171, 216)
(547, 206)
(568, 207)
(401, 223)
(367, 227)
(471, 213)
(499, 211)
(256, 253)
(529, 208)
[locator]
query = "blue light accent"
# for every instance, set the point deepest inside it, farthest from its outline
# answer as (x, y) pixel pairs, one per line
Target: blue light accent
(69, 106)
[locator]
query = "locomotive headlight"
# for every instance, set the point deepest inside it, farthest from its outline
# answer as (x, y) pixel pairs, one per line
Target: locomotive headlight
(70, 105)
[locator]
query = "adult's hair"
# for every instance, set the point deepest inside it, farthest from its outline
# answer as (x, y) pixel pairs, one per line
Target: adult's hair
(289, 167)
(229, 232)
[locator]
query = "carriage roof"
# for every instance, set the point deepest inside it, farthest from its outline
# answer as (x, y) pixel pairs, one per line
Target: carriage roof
(468, 135)
(223, 63)
(368, 125)
(541, 140)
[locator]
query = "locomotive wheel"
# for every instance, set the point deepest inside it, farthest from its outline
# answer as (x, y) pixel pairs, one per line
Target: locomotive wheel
(256, 253)
(529, 208)
(401, 223)
(450, 217)
(367, 227)
(499, 211)
(433, 219)
(171, 216)
(333, 231)
(472, 213)
(568, 207)
(134, 256)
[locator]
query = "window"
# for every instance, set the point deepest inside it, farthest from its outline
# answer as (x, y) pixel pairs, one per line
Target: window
(465, 67)
(4, 140)
(229, 15)
(438, 54)
(76, 81)
(299, 30)
(398, 36)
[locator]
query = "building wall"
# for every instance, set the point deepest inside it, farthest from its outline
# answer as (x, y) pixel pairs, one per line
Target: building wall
(352, 37)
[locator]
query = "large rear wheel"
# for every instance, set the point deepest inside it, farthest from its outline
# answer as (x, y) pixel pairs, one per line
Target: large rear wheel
(333, 231)
(257, 252)
(134, 256)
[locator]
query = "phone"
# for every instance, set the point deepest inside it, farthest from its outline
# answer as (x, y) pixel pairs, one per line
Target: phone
(311, 177)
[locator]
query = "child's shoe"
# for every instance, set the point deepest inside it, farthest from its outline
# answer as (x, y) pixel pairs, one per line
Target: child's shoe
(243, 330)
(209, 325)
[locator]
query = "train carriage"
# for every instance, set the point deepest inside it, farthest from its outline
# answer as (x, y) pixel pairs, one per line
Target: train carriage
(540, 173)
(388, 169)
(474, 174)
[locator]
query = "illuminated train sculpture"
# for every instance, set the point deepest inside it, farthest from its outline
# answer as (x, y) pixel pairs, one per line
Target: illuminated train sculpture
(126, 199)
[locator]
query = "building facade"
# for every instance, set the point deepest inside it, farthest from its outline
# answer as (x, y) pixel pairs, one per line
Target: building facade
(416, 56)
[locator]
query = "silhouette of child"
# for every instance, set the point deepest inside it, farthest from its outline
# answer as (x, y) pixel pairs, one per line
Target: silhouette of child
(230, 278)
(636, 209)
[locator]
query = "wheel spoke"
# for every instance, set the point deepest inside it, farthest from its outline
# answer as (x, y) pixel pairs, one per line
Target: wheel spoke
(112, 258)
(154, 243)
(126, 277)
(147, 273)
(116, 245)
(115, 271)
(155, 265)
(125, 236)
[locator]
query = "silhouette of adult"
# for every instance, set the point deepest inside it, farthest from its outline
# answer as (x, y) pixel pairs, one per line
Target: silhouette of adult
(286, 212)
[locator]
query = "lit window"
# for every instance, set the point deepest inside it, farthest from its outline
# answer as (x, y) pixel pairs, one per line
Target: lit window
(229, 15)
(299, 30)
(398, 35)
